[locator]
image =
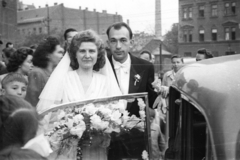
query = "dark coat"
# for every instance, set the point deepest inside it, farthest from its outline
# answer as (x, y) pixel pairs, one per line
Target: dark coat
(133, 143)
(36, 82)
(146, 71)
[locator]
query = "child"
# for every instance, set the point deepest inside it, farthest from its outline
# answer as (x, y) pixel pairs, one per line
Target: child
(14, 84)
(157, 138)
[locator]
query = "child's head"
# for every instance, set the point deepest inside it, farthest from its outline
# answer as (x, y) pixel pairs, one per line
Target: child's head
(18, 121)
(14, 84)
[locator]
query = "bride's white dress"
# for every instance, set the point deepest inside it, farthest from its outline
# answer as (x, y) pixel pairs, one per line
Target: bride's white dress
(73, 91)
(70, 89)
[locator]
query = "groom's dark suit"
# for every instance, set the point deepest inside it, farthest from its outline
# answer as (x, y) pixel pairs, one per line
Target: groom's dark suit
(134, 143)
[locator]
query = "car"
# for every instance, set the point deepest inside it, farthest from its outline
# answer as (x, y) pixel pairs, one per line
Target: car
(204, 111)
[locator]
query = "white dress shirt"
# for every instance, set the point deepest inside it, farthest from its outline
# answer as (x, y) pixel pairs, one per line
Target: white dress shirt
(123, 73)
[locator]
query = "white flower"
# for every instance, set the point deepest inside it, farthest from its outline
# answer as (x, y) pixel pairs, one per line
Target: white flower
(145, 155)
(55, 124)
(70, 123)
(103, 125)
(97, 123)
(116, 117)
(61, 115)
(78, 118)
(140, 126)
(141, 104)
(142, 114)
(122, 105)
(78, 129)
(90, 109)
(132, 122)
(108, 130)
(105, 111)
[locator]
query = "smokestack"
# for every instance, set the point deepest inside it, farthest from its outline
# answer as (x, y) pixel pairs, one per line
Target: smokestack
(128, 22)
(158, 19)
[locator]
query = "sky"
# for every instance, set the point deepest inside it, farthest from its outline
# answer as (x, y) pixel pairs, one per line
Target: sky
(141, 13)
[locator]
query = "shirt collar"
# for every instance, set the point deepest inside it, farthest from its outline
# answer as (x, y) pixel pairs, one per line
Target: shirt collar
(126, 63)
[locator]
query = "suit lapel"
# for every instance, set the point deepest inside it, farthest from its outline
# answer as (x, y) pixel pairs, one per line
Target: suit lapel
(134, 71)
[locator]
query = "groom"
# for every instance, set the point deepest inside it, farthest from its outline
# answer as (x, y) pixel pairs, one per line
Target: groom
(134, 75)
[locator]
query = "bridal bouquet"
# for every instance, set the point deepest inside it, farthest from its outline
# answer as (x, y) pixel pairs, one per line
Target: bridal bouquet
(79, 123)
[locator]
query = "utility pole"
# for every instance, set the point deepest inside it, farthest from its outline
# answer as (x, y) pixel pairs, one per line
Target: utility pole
(48, 21)
(160, 57)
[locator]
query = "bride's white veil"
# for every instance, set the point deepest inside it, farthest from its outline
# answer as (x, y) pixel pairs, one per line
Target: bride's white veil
(53, 90)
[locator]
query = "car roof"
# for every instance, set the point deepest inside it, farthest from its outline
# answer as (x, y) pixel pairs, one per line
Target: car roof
(213, 86)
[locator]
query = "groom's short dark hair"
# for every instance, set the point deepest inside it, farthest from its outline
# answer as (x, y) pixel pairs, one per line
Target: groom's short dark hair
(118, 26)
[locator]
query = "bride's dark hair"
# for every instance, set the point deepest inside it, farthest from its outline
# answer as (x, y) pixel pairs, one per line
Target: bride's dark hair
(87, 36)
(18, 121)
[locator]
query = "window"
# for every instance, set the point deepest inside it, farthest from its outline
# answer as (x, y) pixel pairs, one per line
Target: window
(227, 34)
(233, 34)
(190, 12)
(34, 30)
(214, 10)
(190, 36)
(214, 34)
(201, 35)
(40, 30)
(233, 8)
(185, 36)
(23, 31)
(185, 13)
(187, 54)
(201, 11)
(188, 131)
(230, 33)
(226, 10)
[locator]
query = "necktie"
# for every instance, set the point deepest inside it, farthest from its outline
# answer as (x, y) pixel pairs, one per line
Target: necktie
(121, 70)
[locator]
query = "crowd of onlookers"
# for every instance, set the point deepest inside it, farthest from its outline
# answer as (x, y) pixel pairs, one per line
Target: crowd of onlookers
(23, 73)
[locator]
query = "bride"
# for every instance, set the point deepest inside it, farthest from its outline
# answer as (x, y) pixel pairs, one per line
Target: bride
(84, 73)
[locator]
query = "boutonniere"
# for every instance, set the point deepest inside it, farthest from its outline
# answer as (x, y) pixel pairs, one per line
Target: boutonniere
(137, 79)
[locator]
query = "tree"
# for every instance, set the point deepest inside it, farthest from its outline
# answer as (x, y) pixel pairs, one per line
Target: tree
(171, 39)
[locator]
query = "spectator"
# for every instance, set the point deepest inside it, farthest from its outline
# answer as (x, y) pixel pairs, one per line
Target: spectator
(3, 69)
(19, 125)
(9, 45)
(7, 52)
(14, 84)
(157, 138)
(68, 36)
(21, 61)
(146, 55)
(169, 77)
(203, 54)
(46, 57)
(153, 58)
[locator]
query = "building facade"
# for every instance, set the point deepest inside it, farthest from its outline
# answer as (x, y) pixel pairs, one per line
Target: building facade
(210, 24)
(8, 21)
(58, 18)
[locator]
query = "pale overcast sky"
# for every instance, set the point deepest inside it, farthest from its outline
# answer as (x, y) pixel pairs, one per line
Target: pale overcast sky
(141, 13)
